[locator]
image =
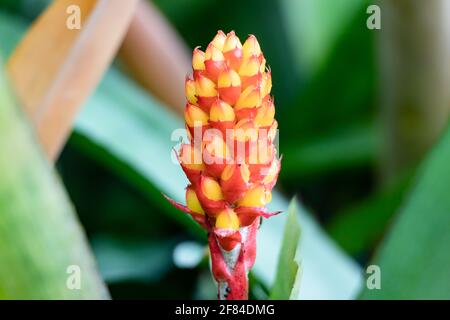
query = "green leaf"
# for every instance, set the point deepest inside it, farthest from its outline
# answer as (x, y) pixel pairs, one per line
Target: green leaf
(25, 8)
(414, 257)
(335, 151)
(40, 237)
(359, 227)
(11, 29)
(295, 292)
(315, 25)
(334, 98)
(127, 259)
(287, 265)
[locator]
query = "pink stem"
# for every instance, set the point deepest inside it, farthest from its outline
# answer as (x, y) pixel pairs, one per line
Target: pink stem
(230, 268)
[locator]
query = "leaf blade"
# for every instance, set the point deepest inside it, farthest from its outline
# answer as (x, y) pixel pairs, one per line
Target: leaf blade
(40, 237)
(287, 270)
(414, 257)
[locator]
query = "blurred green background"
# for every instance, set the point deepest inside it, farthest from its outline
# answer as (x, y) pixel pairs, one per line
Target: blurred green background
(326, 80)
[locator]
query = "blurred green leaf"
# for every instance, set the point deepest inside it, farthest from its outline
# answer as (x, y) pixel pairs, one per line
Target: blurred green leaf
(28, 9)
(11, 30)
(339, 150)
(414, 257)
(315, 25)
(359, 227)
(287, 265)
(122, 259)
(120, 209)
(40, 237)
(295, 291)
(340, 95)
(205, 289)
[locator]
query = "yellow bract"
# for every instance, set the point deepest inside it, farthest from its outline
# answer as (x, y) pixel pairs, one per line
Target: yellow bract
(219, 40)
(231, 42)
(229, 171)
(256, 197)
(213, 53)
(266, 84)
(272, 173)
(265, 115)
(221, 111)
(198, 59)
(245, 172)
(189, 90)
(227, 219)
(191, 157)
(229, 78)
(251, 47)
(249, 98)
(249, 67)
(195, 116)
(245, 130)
(192, 201)
(211, 189)
(205, 87)
(216, 146)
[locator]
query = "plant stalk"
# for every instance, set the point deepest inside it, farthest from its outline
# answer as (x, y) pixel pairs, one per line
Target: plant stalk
(414, 51)
(230, 268)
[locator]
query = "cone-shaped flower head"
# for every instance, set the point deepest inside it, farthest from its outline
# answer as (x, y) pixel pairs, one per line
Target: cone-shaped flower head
(231, 161)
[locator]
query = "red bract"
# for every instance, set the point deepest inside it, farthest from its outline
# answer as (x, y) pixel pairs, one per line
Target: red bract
(231, 161)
